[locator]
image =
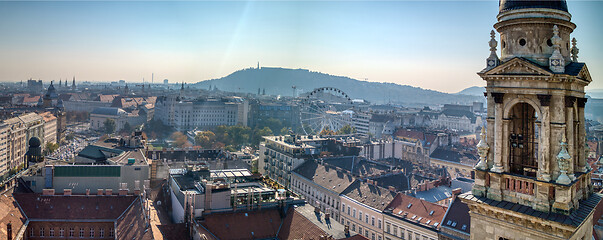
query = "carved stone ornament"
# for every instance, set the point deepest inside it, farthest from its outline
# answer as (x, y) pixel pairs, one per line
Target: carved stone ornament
(493, 60)
(563, 159)
(482, 151)
(574, 51)
(556, 61)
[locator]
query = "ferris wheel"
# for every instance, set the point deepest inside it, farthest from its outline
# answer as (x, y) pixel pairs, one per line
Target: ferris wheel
(318, 110)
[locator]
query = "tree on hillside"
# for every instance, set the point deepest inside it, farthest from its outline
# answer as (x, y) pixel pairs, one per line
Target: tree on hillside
(180, 140)
(109, 125)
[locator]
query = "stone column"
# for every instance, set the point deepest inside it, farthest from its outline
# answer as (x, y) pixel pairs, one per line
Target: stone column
(581, 136)
(544, 167)
(490, 130)
(498, 128)
(569, 132)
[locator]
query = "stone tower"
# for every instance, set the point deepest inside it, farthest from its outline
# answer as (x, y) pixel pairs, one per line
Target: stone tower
(532, 181)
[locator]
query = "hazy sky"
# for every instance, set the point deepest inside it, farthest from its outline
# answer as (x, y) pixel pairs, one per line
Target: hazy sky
(437, 45)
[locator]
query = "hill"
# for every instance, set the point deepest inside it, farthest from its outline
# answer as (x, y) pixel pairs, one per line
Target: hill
(473, 91)
(278, 81)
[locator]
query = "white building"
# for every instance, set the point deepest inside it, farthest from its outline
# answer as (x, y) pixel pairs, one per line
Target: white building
(99, 115)
(201, 113)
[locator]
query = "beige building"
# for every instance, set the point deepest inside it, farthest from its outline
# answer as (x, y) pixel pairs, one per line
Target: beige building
(4, 159)
(50, 127)
(362, 206)
(532, 181)
(411, 218)
(34, 125)
(16, 142)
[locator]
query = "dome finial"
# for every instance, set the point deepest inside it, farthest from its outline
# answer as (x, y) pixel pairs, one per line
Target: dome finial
(574, 51)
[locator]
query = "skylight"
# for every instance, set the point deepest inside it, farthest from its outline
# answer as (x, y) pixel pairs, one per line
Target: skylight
(431, 213)
(428, 221)
(414, 216)
(409, 205)
(464, 227)
(449, 222)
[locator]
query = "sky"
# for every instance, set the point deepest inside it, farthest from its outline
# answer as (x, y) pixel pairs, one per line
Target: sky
(437, 45)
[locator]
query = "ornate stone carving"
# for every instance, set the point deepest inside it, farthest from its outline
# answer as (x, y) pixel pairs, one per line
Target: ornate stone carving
(574, 51)
(563, 159)
(498, 97)
(493, 60)
(482, 150)
(556, 61)
(545, 99)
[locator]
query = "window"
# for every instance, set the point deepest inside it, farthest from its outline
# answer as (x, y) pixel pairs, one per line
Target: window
(360, 215)
(41, 232)
(395, 228)
(353, 227)
(379, 237)
(373, 236)
(348, 210)
(61, 232)
(101, 233)
(373, 221)
(366, 233)
(379, 223)
(366, 218)
(81, 232)
(51, 233)
(523, 140)
(111, 232)
(91, 232)
(387, 227)
(409, 235)
(360, 229)
(402, 233)
(31, 232)
(71, 232)
(354, 213)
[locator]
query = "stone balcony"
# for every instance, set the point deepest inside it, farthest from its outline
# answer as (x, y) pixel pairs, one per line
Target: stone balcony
(539, 195)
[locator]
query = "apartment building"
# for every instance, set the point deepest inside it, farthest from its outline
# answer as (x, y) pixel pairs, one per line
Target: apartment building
(50, 127)
(201, 113)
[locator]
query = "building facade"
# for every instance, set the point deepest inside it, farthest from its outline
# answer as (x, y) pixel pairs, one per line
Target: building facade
(533, 158)
(201, 113)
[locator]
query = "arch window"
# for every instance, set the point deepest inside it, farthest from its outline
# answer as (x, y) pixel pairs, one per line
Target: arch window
(523, 140)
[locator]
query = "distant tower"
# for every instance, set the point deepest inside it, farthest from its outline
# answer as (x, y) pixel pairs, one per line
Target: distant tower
(73, 84)
(294, 87)
(126, 90)
(61, 82)
(258, 65)
(51, 97)
(532, 180)
(258, 91)
(263, 91)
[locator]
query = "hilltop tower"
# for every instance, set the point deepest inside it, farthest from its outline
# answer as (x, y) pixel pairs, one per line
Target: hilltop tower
(72, 84)
(532, 181)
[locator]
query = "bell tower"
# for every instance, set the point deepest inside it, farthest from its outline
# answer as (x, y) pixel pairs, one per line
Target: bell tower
(532, 181)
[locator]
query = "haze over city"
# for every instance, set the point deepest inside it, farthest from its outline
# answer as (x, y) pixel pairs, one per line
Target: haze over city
(403, 42)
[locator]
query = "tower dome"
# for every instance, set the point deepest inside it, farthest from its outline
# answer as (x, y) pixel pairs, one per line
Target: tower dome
(526, 29)
(34, 142)
(507, 5)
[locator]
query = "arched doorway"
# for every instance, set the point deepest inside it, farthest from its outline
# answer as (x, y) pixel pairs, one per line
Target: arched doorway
(523, 140)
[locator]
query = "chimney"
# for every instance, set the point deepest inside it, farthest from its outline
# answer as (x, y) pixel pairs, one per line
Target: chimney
(9, 231)
(99, 192)
(66, 192)
(123, 192)
(109, 191)
(88, 192)
(455, 193)
(48, 192)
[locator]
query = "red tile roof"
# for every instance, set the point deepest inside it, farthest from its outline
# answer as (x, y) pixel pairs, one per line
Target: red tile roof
(131, 225)
(244, 225)
(296, 226)
(9, 213)
(37, 206)
(416, 209)
(356, 237)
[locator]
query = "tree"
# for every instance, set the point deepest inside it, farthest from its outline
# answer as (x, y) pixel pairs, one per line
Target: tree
(285, 130)
(258, 134)
(180, 140)
(347, 129)
(50, 148)
(326, 131)
(109, 125)
(205, 139)
(127, 128)
(273, 123)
